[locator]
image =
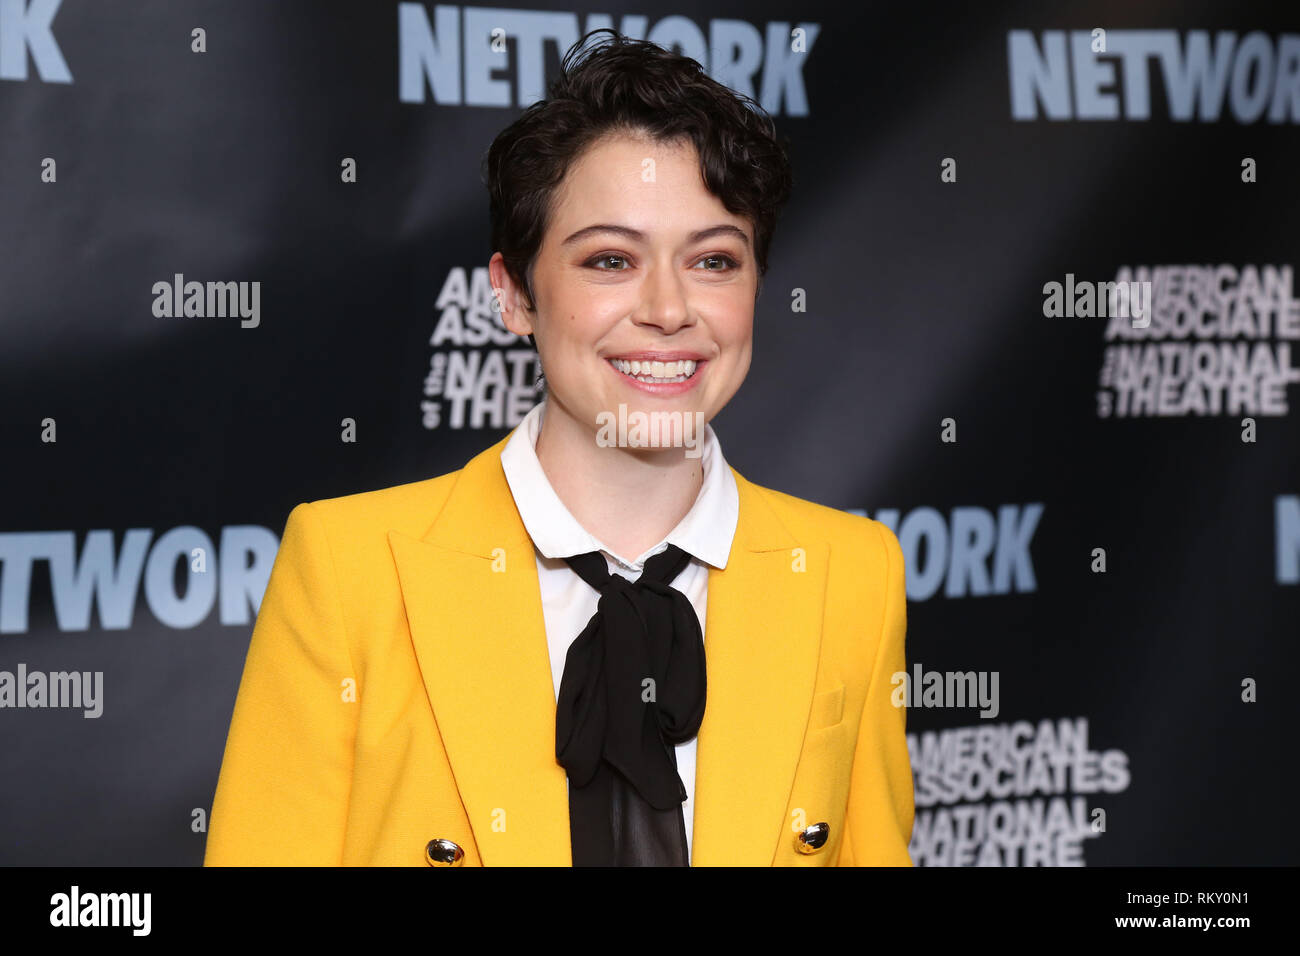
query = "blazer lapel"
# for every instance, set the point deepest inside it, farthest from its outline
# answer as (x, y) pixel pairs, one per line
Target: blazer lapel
(474, 609)
(475, 614)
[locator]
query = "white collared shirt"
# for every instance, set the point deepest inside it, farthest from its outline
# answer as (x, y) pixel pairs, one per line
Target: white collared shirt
(568, 602)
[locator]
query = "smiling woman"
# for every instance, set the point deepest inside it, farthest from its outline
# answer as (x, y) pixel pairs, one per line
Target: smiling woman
(574, 651)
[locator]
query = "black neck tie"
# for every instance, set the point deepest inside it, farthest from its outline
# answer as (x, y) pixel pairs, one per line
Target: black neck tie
(633, 687)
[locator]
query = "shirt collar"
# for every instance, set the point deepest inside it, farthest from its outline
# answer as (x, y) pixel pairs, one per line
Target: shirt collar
(706, 532)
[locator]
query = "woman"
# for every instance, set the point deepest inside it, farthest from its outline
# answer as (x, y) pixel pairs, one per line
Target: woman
(591, 645)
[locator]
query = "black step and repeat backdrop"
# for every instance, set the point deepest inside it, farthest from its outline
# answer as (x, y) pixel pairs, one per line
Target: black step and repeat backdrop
(1033, 305)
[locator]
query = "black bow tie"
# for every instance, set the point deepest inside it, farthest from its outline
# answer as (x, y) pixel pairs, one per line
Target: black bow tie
(633, 687)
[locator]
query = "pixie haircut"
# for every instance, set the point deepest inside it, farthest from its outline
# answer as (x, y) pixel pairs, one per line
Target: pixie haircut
(614, 84)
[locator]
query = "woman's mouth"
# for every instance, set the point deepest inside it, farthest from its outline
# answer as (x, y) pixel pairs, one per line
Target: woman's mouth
(657, 373)
(662, 379)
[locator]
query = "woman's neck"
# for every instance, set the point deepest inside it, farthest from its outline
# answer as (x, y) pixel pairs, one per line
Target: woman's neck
(629, 498)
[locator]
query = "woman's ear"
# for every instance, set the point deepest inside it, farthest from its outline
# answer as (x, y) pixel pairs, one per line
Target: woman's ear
(508, 298)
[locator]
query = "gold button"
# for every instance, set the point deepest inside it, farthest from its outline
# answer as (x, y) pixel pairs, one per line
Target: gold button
(813, 838)
(443, 853)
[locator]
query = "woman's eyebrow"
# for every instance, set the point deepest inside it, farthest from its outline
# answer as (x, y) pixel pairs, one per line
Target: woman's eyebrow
(637, 235)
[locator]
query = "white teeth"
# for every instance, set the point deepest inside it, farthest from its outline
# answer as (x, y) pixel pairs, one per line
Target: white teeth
(656, 372)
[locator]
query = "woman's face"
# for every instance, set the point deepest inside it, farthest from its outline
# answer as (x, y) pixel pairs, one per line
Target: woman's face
(640, 262)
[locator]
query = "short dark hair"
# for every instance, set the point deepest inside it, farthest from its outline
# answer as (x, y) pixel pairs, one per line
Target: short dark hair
(619, 84)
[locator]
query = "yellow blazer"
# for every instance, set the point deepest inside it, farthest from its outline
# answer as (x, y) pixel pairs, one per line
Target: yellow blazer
(398, 689)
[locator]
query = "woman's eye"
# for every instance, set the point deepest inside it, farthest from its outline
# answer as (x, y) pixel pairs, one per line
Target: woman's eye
(724, 263)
